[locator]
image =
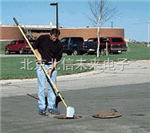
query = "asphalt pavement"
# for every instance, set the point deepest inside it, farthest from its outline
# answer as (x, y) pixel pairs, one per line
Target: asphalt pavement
(128, 91)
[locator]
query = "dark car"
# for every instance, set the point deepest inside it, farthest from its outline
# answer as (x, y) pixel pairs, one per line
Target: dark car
(19, 46)
(73, 45)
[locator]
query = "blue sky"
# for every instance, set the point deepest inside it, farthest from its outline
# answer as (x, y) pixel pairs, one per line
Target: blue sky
(133, 15)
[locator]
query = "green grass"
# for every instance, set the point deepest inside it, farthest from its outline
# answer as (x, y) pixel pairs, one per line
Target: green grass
(135, 52)
(11, 66)
(2, 46)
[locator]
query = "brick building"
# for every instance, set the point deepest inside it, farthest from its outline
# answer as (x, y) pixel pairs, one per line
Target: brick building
(92, 32)
(12, 32)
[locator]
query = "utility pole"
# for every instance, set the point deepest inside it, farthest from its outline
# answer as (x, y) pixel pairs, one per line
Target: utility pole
(112, 24)
(148, 45)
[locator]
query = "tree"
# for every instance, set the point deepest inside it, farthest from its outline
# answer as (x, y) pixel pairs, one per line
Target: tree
(101, 13)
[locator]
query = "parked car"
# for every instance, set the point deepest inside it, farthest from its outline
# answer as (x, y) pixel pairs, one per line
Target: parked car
(115, 45)
(19, 46)
(73, 45)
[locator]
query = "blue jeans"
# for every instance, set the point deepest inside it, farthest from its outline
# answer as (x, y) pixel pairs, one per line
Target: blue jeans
(42, 80)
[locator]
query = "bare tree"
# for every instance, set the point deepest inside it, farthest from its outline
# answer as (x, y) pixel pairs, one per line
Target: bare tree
(101, 13)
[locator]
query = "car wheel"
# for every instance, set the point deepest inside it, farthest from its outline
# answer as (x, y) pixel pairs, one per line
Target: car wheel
(75, 52)
(30, 51)
(110, 52)
(69, 53)
(102, 52)
(6, 51)
(21, 51)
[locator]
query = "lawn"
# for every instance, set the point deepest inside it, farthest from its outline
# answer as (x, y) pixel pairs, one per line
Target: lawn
(2, 46)
(12, 67)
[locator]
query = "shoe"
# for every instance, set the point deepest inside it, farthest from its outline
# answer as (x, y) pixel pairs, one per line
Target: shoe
(54, 111)
(43, 112)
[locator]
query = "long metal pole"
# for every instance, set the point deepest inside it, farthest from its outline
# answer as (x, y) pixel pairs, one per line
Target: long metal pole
(148, 33)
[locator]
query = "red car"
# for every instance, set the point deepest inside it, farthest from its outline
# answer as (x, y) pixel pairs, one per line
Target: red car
(19, 46)
(115, 44)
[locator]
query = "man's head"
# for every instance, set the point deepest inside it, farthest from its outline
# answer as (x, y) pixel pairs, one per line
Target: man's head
(54, 34)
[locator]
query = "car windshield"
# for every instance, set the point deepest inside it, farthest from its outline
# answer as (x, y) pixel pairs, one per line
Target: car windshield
(77, 40)
(95, 40)
(90, 40)
(21, 41)
(117, 40)
(12, 42)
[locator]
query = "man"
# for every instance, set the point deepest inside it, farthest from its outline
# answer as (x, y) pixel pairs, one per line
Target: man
(49, 51)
